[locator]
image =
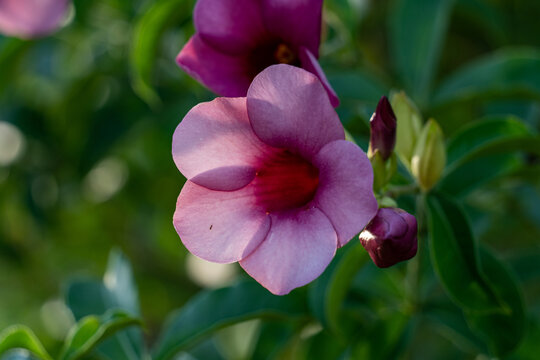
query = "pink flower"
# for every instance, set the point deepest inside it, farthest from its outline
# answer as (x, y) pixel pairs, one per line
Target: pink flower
(271, 181)
(237, 39)
(390, 237)
(31, 18)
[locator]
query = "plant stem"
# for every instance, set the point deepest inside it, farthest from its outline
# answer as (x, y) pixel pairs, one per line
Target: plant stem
(397, 191)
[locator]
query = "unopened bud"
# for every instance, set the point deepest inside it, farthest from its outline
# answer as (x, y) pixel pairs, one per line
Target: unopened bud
(383, 130)
(390, 237)
(409, 125)
(429, 158)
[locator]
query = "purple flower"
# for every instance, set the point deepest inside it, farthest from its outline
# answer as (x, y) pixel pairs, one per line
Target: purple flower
(271, 181)
(237, 39)
(383, 129)
(390, 237)
(31, 18)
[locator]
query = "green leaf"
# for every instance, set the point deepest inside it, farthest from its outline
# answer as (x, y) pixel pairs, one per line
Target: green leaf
(530, 345)
(489, 132)
(450, 322)
(485, 150)
(454, 254)
(91, 330)
(212, 310)
(118, 279)
(417, 32)
(488, 18)
(505, 73)
(480, 284)
(502, 331)
(358, 86)
(525, 264)
(477, 172)
(273, 339)
(117, 291)
(21, 337)
(494, 135)
(18, 354)
(328, 292)
(146, 40)
(325, 345)
(11, 52)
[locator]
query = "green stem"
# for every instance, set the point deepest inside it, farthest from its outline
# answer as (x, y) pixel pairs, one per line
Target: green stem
(414, 268)
(397, 191)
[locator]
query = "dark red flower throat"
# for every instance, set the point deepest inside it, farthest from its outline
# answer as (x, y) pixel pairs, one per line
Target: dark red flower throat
(285, 181)
(272, 52)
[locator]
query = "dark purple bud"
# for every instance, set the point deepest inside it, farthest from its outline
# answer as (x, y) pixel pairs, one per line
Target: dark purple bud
(383, 129)
(390, 237)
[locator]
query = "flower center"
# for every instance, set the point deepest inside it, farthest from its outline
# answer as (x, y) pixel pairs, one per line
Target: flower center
(284, 55)
(285, 181)
(270, 53)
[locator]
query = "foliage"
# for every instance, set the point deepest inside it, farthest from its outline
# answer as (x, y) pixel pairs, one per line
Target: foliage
(103, 96)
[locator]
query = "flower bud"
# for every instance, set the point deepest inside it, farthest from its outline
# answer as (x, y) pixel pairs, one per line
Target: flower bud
(409, 125)
(429, 158)
(383, 130)
(390, 237)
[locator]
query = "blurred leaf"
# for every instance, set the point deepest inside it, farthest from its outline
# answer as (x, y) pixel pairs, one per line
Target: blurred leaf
(487, 17)
(450, 322)
(272, 340)
(528, 349)
(387, 339)
(417, 33)
(119, 281)
(327, 293)
(525, 264)
(21, 337)
(11, 52)
(325, 345)
(18, 354)
(480, 284)
(482, 151)
(206, 350)
(454, 254)
(146, 40)
(501, 331)
(357, 85)
(86, 298)
(212, 310)
(477, 172)
(91, 330)
(490, 132)
(507, 72)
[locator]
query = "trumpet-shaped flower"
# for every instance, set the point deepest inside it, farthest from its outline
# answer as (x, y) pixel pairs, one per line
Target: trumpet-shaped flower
(271, 181)
(237, 39)
(31, 18)
(390, 237)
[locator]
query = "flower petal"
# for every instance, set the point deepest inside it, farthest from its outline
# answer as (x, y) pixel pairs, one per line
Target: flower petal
(214, 146)
(224, 74)
(232, 26)
(31, 18)
(296, 21)
(310, 63)
(345, 193)
(219, 226)
(298, 248)
(289, 108)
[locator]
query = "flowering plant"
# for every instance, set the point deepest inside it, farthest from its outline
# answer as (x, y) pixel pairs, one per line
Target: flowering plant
(402, 223)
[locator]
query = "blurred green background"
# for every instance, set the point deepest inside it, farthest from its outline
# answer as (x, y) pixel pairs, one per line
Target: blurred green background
(87, 116)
